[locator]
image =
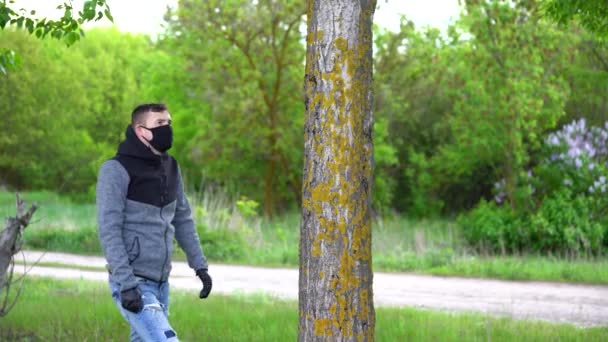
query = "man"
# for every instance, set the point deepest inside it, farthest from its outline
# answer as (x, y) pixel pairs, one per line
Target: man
(141, 207)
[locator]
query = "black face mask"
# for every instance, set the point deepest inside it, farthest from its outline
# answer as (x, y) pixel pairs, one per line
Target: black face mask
(162, 137)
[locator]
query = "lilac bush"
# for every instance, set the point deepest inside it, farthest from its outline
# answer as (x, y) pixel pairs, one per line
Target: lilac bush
(565, 199)
(580, 141)
(500, 187)
(581, 152)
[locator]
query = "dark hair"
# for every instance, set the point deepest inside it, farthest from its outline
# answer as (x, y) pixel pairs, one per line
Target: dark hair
(139, 113)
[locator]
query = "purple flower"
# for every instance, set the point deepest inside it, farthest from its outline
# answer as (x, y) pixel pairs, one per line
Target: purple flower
(580, 140)
(553, 140)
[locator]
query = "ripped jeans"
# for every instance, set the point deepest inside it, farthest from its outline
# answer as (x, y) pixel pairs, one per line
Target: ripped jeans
(150, 324)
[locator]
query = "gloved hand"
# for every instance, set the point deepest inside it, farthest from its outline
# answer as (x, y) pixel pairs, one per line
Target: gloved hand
(131, 300)
(206, 279)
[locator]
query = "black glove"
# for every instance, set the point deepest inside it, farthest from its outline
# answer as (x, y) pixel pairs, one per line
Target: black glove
(131, 300)
(206, 279)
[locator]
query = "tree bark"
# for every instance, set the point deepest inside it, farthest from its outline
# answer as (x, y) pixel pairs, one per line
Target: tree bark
(10, 242)
(335, 296)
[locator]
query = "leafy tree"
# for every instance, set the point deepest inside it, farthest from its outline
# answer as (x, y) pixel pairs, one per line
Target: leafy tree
(336, 297)
(587, 76)
(507, 93)
(67, 107)
(245, 58)
(161, 76)
(592, 14)
(67, 28)
(410, 95)
(46, 131)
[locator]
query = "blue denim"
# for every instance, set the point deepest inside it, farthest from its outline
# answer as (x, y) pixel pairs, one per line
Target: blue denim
(150, 324)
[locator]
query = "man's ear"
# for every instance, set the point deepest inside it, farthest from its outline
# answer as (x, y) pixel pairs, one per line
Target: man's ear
(140, 132)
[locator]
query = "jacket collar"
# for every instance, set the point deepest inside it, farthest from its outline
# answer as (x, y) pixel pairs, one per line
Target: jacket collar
(133, 147)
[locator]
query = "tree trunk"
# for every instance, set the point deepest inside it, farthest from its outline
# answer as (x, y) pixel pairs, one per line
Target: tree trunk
(10, 244)
(269, 187)
(335, 296)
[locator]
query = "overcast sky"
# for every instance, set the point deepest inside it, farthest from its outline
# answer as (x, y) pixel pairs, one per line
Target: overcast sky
(146, 16)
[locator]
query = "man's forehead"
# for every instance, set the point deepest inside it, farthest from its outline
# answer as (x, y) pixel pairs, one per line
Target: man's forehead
(159, 115)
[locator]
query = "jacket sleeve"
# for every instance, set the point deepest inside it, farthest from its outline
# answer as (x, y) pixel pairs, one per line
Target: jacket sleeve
(111, 197)
(185, 231)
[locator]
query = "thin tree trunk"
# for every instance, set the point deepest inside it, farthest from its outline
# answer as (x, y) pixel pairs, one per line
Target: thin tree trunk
(9, 238)
(335, 296)
(269, 187)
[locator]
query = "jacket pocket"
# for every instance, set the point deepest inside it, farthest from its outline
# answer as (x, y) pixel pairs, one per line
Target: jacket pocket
(133, 251)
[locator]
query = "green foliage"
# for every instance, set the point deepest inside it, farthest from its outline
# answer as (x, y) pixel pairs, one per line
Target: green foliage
(226, 232)
(469, 109)
(247, 207)
(409, 98)
(399, 244)
(587, 74)
(489, 228)
(385, 159)
(68, 108)
(502, 107)
(592, 14)
(455, 112)
(161, 76)
(250, 75)
(8, 60)
(66, 28)
(465, 110)
(47, 150)
(222, 244)
(564, 224)
(83, 239)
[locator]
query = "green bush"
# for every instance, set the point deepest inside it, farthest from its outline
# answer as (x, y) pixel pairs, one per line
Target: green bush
(564, 223)
(83, 240)
(222, 244)
(491, 229)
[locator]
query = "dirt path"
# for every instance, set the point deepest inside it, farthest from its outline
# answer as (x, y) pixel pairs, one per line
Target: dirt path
(582, 305)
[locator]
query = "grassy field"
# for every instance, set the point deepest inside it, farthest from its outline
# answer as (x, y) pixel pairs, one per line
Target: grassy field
(62, 310)
(230, 235)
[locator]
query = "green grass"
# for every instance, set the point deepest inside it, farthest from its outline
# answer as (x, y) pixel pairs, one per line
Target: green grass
(527, 268)
(54, 212)
(399, 245)
(69, 310)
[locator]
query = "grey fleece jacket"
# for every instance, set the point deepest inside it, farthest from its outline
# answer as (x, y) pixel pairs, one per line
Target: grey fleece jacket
(137, 237)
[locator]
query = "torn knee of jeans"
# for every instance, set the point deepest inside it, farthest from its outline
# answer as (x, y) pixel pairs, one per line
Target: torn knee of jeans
(153, 307)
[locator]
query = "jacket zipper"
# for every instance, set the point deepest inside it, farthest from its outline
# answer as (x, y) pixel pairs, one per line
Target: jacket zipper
(162, 272)
(163, 189)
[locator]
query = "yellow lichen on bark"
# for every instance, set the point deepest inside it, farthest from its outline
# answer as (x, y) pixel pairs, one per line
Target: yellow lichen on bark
(338, 193)
(339, 171)
(323, 327)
